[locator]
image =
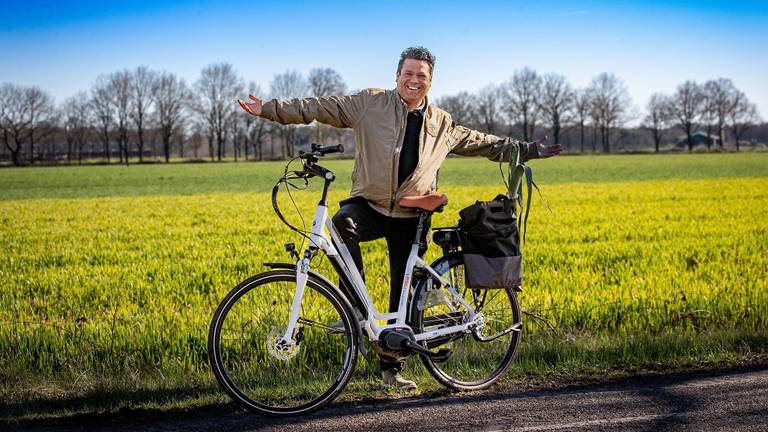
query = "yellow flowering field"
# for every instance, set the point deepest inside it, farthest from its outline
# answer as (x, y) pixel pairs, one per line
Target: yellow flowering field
(116, 292)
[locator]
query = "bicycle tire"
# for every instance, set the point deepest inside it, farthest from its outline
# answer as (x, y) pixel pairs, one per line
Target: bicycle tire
(474, 364)
(271, 382)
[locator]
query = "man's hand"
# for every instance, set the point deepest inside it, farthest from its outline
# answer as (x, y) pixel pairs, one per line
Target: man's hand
(546, 150)
(252, 108)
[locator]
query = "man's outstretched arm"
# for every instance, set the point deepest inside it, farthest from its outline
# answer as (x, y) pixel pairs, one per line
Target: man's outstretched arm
(546, 150)
(470, 142)
(254, 107)
(337, 111)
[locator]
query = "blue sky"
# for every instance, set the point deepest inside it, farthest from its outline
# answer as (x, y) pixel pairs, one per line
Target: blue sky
(652, 45)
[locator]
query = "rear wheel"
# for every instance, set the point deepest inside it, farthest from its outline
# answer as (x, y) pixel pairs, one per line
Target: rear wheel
(480, 357)
(270, 377)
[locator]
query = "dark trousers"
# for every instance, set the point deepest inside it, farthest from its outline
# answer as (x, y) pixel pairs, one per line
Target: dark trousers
(357, 222)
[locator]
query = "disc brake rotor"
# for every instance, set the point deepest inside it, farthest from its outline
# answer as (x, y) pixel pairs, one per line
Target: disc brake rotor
(277, 348)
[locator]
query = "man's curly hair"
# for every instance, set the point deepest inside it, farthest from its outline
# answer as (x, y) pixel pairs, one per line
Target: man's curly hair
(417, 53)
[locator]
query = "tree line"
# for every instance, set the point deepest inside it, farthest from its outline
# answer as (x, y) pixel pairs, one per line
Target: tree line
(142, 113)
(528, 102)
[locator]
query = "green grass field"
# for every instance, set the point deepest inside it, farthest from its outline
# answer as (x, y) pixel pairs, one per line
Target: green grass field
(109, 275)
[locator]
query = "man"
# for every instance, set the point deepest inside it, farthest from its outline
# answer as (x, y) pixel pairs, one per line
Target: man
(401, 141)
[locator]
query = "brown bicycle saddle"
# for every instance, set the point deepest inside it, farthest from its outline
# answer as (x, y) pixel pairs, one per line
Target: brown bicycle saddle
(430, 203)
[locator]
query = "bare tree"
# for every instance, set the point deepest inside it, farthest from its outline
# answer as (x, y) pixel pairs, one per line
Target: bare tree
(170, 93)
(142, 82)
(742, 115)
(101, 105)
(3, 110)
(118, 93)
(610, 105)
(581, 108)
(325, 82)
(521, 98)
(288, 85)
(459, 106)
(488, 108)
(595, 118)
(41, 111)
(237, 128)
(4, 96)
(197, 138)
(556, 102)
(76, 119)
(14, 120)
(686, 106)
(217, 90)
(28, 114)
(180, 138)
(658, 117)
(719, 93)
(255, 128)
(708, 116)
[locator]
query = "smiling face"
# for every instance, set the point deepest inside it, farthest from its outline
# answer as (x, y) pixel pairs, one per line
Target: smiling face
(413, 82)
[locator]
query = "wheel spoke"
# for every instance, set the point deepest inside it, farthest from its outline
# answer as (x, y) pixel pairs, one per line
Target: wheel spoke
(477, 361)
(322, 326)
(257, 368)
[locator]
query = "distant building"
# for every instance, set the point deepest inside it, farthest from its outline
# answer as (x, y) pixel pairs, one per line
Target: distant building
(698, 138)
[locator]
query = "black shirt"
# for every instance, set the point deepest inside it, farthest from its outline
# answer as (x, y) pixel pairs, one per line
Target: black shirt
(409, 153)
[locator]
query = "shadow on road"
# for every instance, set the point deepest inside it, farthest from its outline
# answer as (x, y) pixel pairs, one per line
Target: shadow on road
(230, 417)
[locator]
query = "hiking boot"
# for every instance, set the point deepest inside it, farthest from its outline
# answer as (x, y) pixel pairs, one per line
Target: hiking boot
(393, 378)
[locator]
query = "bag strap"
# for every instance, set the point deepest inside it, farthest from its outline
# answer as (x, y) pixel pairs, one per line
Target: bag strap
(517, 173)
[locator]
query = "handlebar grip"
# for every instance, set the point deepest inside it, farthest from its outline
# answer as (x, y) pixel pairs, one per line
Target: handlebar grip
(338, 148)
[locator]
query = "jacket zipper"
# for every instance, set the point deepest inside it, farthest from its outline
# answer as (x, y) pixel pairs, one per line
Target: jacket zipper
(396, 163)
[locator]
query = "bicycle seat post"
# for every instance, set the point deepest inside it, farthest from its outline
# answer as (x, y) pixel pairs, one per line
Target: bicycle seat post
(423, 215)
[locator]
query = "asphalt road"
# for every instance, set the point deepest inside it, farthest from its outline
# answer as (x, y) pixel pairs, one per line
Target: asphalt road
(735, 401)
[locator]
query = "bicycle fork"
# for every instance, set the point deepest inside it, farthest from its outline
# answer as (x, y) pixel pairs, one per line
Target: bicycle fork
(316, 241)
(301, 283)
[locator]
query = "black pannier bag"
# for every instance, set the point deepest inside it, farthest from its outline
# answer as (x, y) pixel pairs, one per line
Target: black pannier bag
(489, 231)
(490, 239)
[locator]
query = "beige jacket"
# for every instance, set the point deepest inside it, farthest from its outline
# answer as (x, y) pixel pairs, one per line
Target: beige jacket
(378, 118)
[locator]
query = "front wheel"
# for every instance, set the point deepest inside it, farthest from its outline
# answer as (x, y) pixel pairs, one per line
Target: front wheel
(274, 378)
(480, 357)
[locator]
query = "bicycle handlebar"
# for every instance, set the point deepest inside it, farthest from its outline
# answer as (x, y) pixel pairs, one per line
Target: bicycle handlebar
(310, 169)
(317, 151)
(338, 148)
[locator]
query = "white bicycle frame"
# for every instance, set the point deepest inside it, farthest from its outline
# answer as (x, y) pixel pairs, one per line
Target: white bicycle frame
(342, 256)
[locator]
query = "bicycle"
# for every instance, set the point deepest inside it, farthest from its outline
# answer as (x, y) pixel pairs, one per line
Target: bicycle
(286, 341)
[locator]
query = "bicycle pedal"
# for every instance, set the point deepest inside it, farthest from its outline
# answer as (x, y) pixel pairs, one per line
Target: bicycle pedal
(437, 357)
